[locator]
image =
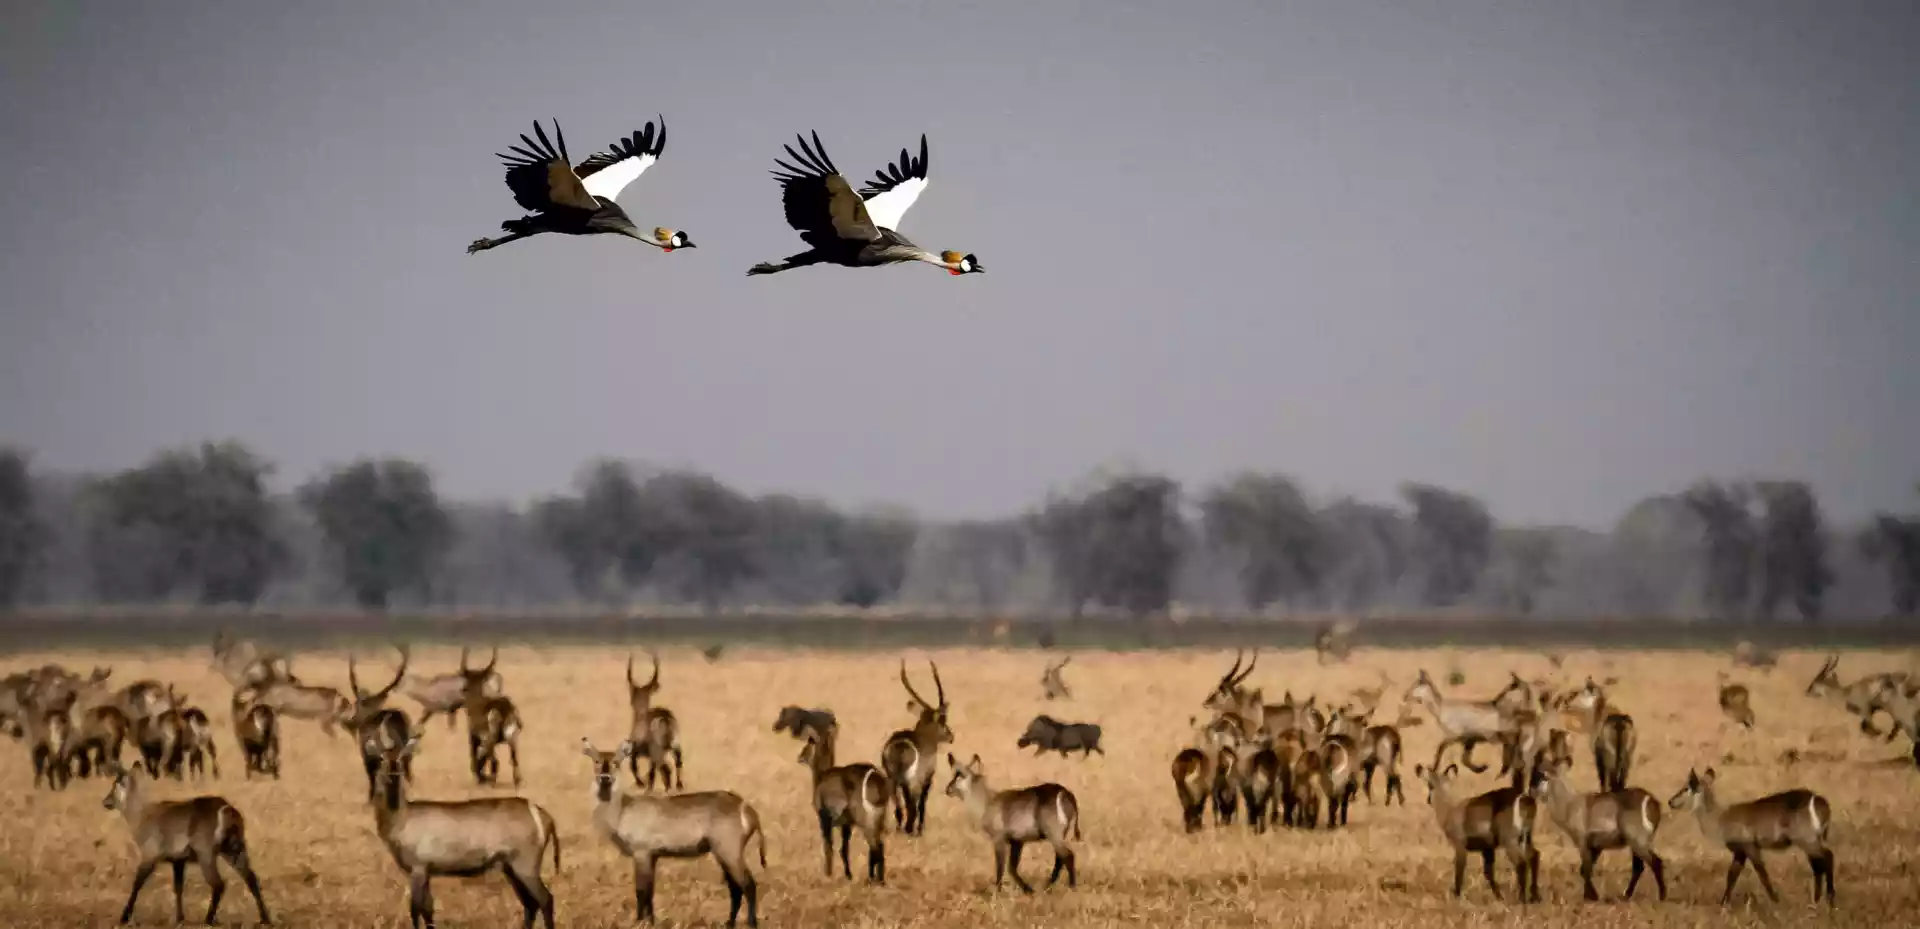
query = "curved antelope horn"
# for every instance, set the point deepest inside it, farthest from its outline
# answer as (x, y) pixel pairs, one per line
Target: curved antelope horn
(463, 659)
(492, 660)
(353, 679)
(941, 689)
(1249, 671)
(1063, 661)
(654, 681)
(909, 685)
(405, 656)
(1226, 680)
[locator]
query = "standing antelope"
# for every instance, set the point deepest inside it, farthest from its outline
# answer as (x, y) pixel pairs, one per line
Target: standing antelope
(1614, 736)
(1797, 818)
(103, 732)
(1053, 686)
(655, 731)
(257, 730)
(50, 737)
(162, 741)
(463, 838)
(1602, 820)
(1338, 776)
(1735, 702)
(1501, 819)
(847, 796)
(648, 828)
(379, 728)
(1012, 818)
(202, 830)
(1193, 776)
(446, 694)
(196, 743)
(1380, 749)
(911, 756)
(491, 723)
(1332, 644)
(1901, 700)
(1466, 723)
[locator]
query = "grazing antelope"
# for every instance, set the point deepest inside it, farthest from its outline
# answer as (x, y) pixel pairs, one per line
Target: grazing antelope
(1053, 686)
(290, 699)
(1332, 644)
(911, 756)
(1501, 819)
(1901, 700)
(797, 720)
(1862, 698)
(1797, 818)
(50, 736)
(1735, 702)
(446, 694)
(1047, 734)
(847, 796)
(1011, 818)
(1466, 723)
(379, 728)
(257, 729)
(1602, 820)
(655, 731)
(648, 828)
(1614, 735)
(463, 838)
(202, 830)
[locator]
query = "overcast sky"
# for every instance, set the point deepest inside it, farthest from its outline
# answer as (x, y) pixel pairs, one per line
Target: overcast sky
(1561, 254)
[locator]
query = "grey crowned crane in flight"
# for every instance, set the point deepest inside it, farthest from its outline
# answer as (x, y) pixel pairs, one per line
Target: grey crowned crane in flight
(580, 199)
(855, 230)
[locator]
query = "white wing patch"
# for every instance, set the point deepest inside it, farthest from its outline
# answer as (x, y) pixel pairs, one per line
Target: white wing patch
(887, 208)
(608, 182)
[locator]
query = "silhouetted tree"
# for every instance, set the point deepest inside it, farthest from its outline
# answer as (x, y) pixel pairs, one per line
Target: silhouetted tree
(1265, 524)
(1893, 541)
(975, 562)
(1727, 523)
(188, 516)
(873, 551)
(1370, 549)
(1528, 557)
(607, 529)
(797, 549)
(23, 535)
(1138, 541)
(706, 528)
(1651, 553)
(1453, 537)
(1065, 528)
(1792, 548)
(384, 526)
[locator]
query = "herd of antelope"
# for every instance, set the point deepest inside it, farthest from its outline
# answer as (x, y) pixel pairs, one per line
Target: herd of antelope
(1295, 764)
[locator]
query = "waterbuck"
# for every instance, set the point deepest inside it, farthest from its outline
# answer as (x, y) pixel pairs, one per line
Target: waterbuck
(102, 735)
(1012, 818)
(648, 828)
(1614, 735)
(202, 830)
(463, 838)
(1193, 776)
(196, 743)
(446, 694)
(797, 720)
(1339, 776)
(491, 723)
(1862, 698)
(655, 731)
(377, 727)
(50, 735)
(293, 700)
(1797, 818)
(1501, 819)
(1602, 820)
(162, 742)
(1901, 700)
(257, 729)
(1047, 734)
(1735, 702)
(1466, 723)
(1052, 685)
(911, 756)
(847, 796)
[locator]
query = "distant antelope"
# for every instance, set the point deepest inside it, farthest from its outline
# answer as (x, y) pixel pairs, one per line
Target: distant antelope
(1606, 819)
(1797, 818)
(1011, 818)
(1501, 819)
(1614, 736)
(1901, 700)
(797, 720)
(1748, 655)
(1052, 684)
(463, 838)
(647, 828)
(196, 743)
(1465, 723)
(50, 736)
(491, 723)
(1368, 698)
(911, 756)
(847, 796)
(202, 830)
(1862, 698)
(655, 731)
(257, 729)
(379, 728)
(446, 694)
(1734, 702)
(1332, 644)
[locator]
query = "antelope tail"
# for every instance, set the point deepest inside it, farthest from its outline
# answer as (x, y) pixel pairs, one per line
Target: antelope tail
(553, 835)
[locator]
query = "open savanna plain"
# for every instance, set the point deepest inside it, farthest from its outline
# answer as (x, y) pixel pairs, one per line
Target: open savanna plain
(66, 861)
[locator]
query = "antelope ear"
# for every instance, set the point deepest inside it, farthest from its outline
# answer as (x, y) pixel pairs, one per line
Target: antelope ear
(1420, 771)
(1708, 779)
(624, 752)
(1452, 770)
(974, 766)
(586, 748)
(952, 762)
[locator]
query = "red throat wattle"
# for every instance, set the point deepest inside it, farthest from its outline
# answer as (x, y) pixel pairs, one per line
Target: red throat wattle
(666, 248)
(953, 271)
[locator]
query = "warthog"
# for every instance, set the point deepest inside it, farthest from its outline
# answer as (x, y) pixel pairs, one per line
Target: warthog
(1051, 735)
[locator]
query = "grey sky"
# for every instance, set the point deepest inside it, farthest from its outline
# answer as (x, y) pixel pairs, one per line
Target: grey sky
(1562, 255)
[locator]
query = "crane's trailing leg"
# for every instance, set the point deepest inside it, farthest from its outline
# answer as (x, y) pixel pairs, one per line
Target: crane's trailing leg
(793, 261)
(516, 229)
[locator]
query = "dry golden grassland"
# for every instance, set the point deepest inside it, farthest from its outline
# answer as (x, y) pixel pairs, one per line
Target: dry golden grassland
(65, 861)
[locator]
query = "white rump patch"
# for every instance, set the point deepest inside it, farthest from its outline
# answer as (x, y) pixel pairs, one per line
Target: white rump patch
(1813, 815)
(539, 829)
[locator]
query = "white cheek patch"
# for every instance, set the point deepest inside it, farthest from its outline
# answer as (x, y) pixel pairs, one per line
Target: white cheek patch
(966, 264)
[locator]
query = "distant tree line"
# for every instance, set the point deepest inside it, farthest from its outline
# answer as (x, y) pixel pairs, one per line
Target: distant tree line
(202, 525)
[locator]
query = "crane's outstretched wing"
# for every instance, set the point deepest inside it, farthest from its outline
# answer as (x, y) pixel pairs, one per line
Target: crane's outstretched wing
(820, 204)
(605, 174)
(895, 187)
(540, 177)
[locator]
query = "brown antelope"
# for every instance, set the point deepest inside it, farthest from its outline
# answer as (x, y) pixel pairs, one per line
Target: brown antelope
(463, 838)
(143, 700)
(1602, 820)
(1339, 776)
(911, 756)
(1901, 700)
(1501, 819)
(1332, 644)
(847, 796)
(1614, 736)
(1367, 699)
(50, 737)
(1862, 698)
(162, 741)
(1054, 686)
(196, 743)
(797, 720)
(1012, 818)
(655, 731)
(1256, 772)
(1735, 702)
(446, 694)
(379, 728)
(648, 828)
(1303, 807)
(103, 732)
(202, 830)
(293, 700)
(1380, 750)
(491, 723)
(1797, 818)
(257, 730)
(245, 664)
(1465, 723)
(1193, 785)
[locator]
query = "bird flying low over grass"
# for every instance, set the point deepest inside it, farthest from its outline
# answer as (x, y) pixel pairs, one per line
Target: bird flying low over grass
(855, 230)
(580, 199)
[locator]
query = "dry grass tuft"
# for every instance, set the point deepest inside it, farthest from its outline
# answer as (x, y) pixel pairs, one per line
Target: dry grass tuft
(64, 861)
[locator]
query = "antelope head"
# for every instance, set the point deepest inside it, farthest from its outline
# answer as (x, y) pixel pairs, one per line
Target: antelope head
(1228, 693)
(606, 766)
(639, 692)
(1828, 680)
(930, 714)
(1422, 691)
(964, 775)
(484, 681)
(366, 704)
